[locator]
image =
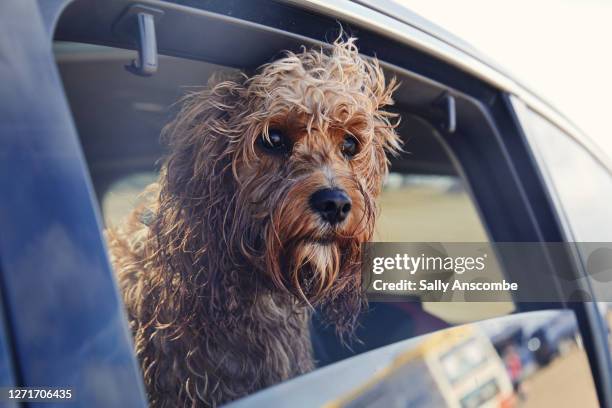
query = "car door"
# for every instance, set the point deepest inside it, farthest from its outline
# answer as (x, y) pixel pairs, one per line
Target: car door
(65, 326)
(56, 170)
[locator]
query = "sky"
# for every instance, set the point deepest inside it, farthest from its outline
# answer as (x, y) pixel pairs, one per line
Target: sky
(560, 49)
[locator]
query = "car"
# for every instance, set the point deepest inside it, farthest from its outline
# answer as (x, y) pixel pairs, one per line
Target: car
(552, 338)
(489, 161)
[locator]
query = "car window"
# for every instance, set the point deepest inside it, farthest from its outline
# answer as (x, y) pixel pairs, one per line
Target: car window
(581, 186)
(416, 205)
(123, 155)
(582, 183)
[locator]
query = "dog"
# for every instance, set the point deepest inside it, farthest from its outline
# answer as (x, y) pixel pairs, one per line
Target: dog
(258, 216)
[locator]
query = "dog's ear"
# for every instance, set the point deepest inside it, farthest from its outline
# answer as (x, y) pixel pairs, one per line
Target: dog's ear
(201, 136)
(196, 184)
(197, 181)
(385, 125)
(385, 122)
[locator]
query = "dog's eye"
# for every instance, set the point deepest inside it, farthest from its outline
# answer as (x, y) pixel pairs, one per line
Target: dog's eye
(349, 146)
(275, 142)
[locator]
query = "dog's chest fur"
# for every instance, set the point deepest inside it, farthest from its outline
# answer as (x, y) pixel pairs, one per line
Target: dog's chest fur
(207, 360)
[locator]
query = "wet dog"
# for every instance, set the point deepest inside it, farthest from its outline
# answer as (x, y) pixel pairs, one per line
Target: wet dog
(267, 193)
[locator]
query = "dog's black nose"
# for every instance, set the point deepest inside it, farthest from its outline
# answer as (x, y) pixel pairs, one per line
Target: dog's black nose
(332, 204)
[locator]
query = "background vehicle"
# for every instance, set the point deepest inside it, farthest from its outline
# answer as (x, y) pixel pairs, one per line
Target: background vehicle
(456, 368)
(489, 161)
(553, 337)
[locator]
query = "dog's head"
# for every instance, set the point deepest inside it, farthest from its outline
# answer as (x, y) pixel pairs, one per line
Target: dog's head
(281, 170)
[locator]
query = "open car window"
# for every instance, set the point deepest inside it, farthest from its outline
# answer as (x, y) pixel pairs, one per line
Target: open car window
(424, 197)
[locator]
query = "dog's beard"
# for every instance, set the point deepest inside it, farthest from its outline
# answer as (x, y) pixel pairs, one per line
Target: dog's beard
(313, 268)
(342, 299)
(326, 274)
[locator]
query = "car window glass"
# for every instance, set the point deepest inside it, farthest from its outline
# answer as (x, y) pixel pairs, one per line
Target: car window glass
(582, 188)
(533, 359)
(583, 185)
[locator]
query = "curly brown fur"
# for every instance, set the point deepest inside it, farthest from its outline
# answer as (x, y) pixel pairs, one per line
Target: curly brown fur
(220, 284)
